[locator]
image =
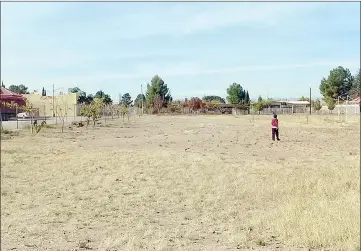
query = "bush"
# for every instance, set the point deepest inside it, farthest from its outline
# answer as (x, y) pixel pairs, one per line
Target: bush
(123, 110)
(92, 111)
(317, 105)
(331, 103)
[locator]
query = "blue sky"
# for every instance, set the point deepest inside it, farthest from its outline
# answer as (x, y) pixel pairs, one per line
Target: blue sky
(275, 49)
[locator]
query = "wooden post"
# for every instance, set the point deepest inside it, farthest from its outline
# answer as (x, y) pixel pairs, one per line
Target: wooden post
(310, 102)
(141, 91)
(56, 115)
(105, 120)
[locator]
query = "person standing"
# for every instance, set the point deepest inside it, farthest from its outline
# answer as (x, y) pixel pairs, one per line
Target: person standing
(275, 132)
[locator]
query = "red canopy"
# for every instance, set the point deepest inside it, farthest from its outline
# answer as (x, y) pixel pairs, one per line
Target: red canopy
(6, 95)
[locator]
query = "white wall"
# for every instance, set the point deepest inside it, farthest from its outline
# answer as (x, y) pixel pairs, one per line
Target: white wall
(350, 109)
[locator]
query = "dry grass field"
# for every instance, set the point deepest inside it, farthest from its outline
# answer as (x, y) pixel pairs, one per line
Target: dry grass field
(183, 183)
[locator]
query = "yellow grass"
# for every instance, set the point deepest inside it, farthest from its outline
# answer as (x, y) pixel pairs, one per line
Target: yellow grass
(183, 183)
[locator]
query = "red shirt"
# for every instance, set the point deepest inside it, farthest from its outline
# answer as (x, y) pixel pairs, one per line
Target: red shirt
(275, 123)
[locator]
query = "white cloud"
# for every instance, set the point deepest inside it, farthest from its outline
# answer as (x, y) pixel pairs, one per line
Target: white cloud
(77, 42)
(81, 42)
(168, 19)
(186, 19)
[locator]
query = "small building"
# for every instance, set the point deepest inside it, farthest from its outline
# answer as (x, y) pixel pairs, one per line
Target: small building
(276, 104)
(297, 103)
(228, 109)
(285, 107)
(296, 106)
(49, 105)
(284, 104)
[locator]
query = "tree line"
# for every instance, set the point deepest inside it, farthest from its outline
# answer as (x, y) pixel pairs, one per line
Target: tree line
(157, 95)
(339, 83)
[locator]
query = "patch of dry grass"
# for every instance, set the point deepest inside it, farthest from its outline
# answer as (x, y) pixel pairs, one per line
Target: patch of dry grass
(183, 183)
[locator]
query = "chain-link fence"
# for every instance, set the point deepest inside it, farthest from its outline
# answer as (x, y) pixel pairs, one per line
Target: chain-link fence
(58, 114)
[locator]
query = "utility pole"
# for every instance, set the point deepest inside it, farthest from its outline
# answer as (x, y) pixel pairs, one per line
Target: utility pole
(120, 98)
(141, 91)
(310, 102)
(53, 101)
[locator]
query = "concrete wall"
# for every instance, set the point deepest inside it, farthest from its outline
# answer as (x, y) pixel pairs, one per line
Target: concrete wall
(65, 103)
(349, 109)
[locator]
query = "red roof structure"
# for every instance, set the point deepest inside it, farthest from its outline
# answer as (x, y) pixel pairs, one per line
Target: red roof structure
(6, 95)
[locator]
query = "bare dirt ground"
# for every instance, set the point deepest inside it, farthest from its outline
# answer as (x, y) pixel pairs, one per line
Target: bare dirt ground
(183, 183)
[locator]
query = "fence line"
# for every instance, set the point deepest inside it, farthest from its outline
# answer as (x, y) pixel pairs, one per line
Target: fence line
(71, 112)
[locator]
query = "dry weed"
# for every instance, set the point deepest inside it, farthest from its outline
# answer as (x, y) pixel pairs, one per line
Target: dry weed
(135, 187)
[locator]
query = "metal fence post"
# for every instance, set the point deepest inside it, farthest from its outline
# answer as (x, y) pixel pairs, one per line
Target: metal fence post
(17, 119)
(31, 120)
(81, 116)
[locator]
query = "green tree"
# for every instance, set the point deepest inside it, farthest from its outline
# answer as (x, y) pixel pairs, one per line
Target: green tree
(331, 103)
(258, 106)
(126, 100)
(158, 91)
(243, 96)
(356, 85)
(247, 99)
(235, 94)
(107, 99)
(82, 98)
(77, 90)
(74, 90)
(317, 105)
(2, 84)
(338, 83)
(43, 92)
(303, 99)
(213, 98)
(138, 100)
(92, 111)
(104, 97)
(99, 94)
(20, 89)
(260, 99)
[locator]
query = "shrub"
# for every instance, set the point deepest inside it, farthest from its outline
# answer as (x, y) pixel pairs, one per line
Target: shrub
(123, 110)
(93, 111)
(195, 104)
(317, 105)
(331, 103)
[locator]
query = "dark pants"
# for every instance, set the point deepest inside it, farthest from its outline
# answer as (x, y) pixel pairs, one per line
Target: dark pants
(275, 133)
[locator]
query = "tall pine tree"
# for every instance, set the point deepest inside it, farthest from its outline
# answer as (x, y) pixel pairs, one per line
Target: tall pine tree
(247, 97)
